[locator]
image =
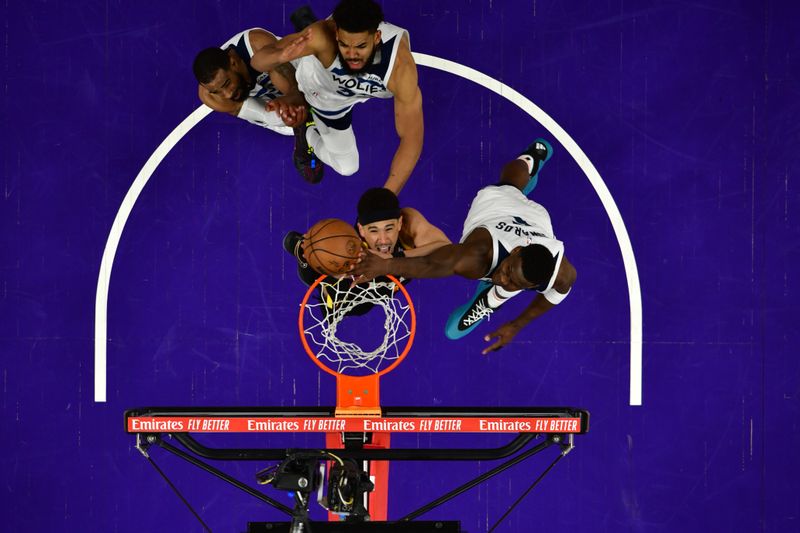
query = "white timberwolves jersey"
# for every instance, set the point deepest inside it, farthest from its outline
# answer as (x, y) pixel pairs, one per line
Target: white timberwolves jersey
(263, 88)
(333, 92)
(512, 220)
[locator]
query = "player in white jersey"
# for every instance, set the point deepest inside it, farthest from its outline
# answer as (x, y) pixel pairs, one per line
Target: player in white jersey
(228, 83)
(508, 242)
(350, 58)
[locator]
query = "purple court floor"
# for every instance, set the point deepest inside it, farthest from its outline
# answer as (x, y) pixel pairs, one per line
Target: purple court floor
(674, 177)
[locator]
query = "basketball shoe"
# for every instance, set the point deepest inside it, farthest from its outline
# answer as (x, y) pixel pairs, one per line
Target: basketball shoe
(540, 152)
(305, 160)
(302, 17)
(291, 243)
(467, 317)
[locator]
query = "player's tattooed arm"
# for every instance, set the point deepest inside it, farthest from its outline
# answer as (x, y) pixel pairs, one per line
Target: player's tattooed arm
(291, 107)
(287, 71)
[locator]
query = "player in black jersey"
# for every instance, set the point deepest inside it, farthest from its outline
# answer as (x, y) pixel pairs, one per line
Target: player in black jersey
(386, 229)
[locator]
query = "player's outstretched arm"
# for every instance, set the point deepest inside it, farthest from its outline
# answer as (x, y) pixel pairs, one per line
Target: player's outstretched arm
(506, 333)
(408, 119)
(291, 47)
(465, 260)
(539, 306)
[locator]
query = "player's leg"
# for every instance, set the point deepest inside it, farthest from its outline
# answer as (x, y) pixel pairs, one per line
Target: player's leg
(306, 161)
(466, 318)
(522, 172)
(525, 176)
(334, 142)
(254, 111)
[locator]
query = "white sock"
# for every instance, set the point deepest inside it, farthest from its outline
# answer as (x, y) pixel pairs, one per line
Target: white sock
(528, 160)
(498, 295)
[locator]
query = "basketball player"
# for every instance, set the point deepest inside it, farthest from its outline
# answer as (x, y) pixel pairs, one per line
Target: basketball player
(345, 60)
(507, 242)
(385, 228)
(228, 83)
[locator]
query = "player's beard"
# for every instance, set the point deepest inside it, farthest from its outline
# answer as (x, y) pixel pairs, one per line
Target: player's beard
(367, 63)
(244, 89)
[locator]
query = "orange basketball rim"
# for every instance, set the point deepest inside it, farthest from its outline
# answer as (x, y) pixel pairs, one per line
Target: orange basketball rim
(358, 395)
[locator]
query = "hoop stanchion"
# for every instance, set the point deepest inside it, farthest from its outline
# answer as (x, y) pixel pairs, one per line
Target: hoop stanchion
(358, 370)
(357, 453)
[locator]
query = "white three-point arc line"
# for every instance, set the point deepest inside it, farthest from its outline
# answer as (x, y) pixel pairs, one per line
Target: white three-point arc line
(629, 261)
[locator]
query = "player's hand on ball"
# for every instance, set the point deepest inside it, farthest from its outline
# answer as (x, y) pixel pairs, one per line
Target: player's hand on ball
(368, 266)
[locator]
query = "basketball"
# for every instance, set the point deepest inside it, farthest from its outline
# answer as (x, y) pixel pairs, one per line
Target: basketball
(331, 246)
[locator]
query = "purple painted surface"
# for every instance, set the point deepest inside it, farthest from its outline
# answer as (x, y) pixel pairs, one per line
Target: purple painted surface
(689, 113)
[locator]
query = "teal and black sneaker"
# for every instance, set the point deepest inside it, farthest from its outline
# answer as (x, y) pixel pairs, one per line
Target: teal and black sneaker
(467, 317)
(540, 151)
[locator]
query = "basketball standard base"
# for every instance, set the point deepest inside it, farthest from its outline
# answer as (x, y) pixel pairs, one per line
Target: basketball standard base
(349, 488)
(349, 477)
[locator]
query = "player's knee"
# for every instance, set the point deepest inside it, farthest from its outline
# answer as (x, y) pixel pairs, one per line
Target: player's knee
(349, 168)
(346, 165)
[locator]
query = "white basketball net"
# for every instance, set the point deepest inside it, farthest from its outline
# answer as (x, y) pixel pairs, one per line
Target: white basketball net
(322, 321)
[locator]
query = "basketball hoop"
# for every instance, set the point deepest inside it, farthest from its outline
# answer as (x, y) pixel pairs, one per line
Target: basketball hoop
(336, 329)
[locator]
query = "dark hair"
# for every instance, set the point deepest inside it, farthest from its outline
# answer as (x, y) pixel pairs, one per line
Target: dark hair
(377, 204)
(355, 16)
(208, 62)
(538, 264)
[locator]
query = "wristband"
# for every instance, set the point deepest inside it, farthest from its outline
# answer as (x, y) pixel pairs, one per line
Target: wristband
(555, 297)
